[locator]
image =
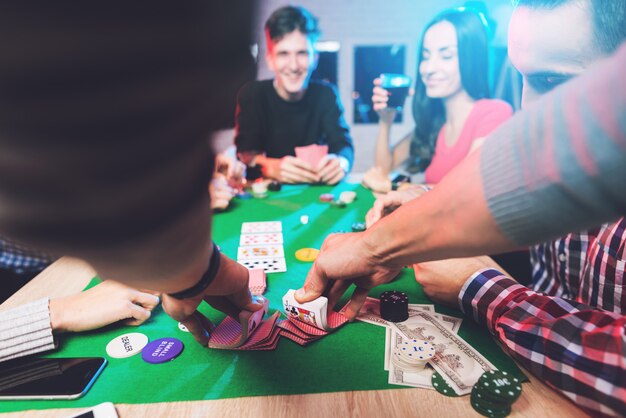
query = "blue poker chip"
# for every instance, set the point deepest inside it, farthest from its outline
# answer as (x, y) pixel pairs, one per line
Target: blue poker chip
(244, 195)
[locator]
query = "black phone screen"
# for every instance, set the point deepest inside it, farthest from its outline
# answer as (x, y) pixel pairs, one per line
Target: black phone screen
(48, 378)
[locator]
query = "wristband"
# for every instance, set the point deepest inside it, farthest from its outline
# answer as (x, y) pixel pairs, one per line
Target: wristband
(205, 280)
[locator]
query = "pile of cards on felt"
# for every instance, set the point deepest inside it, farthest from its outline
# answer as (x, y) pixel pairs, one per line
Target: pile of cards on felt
(312, 154)
(250, 332)
(308, 322)
(261, 246)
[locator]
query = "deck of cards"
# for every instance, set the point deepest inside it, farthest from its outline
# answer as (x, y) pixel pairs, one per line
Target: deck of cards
(250, 332)
(308, 322)
(261, 246)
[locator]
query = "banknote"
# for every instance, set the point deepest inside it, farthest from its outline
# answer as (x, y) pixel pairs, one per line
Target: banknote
(370, 312)
(399, 376)
(457, 361)
(451, 322)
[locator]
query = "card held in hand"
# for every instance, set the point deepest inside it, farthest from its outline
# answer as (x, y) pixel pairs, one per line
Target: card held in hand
(231, 333)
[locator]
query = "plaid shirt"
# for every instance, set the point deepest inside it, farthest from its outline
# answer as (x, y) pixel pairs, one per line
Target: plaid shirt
(572, 335)
(21, 260)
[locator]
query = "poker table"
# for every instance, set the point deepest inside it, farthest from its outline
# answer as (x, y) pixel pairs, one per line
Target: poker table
(339, 375)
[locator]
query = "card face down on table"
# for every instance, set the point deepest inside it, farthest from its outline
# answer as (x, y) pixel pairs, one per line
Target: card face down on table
(250, 332)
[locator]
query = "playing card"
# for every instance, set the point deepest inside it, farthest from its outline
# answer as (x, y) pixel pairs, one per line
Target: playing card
(313, 313)
(257, 281)
(261, 239)
(288, 326)
(269, 265)
(294, 337)
(261, 227)
(312, 154)
(232, 333)
(260, 251)
(263, 334)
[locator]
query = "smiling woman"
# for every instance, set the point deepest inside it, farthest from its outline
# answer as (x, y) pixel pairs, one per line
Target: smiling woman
(451, 108)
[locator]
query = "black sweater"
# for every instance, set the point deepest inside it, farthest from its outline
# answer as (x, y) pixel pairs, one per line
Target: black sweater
(267, 123)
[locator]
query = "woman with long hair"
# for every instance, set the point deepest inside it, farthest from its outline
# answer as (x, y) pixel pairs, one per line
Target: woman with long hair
(451, 105)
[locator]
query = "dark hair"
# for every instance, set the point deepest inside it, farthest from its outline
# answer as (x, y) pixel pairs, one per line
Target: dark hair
(429, 113)
(288, 19)
(609, 19)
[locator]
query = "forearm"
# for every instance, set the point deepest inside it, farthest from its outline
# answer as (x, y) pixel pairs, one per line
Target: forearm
(170, 260)
(383, 155)
(559, 166)
(452, 220)
(26, 330)
(577, 349)
(270, 167)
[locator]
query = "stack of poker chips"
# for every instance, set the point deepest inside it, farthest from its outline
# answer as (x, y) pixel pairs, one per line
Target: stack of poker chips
(259, 189)
(394, 306)
(494, 393)
(412, 355)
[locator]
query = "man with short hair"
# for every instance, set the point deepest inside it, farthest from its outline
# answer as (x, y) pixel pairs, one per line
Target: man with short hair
(572, 333)
(275, 116)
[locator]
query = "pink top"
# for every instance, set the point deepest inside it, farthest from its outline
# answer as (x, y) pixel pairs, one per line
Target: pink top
(486, 115)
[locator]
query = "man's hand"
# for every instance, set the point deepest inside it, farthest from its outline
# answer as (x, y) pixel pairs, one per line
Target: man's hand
(221, 192)
(331, 169)
(232, 170)
(104, 304)
(442, 280)
(228, 293)
(342, 261)
(386, 204)
(288, 169)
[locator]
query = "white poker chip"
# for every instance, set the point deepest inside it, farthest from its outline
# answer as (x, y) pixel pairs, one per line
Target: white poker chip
(347, 196)
(127, 345)
(182, 327)
(415, 351)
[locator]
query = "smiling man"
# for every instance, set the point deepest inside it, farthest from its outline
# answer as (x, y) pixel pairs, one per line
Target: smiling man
(275, 116)
(568, 327)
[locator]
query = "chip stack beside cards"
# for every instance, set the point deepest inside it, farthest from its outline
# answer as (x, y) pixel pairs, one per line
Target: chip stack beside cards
(494, 393)
(394, 306)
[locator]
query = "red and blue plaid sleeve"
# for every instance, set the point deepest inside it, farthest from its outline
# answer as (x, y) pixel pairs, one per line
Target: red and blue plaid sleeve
(577, 349)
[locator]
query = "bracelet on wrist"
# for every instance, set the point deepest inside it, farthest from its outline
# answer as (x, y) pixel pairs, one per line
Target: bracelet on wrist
(206, 279)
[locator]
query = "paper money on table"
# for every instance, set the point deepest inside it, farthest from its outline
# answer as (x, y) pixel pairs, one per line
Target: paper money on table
(457, 361)
(398, 375)
(370, 312)
(451, 322)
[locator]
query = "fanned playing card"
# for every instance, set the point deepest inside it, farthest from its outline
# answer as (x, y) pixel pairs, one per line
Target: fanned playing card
(232, 333)
(265, 337)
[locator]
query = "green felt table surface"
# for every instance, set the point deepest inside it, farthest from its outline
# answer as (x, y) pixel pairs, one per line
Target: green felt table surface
(349, 359)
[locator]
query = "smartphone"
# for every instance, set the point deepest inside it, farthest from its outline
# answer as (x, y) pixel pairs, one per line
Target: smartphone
(104, 410)
(48, 378)
(401, 178)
